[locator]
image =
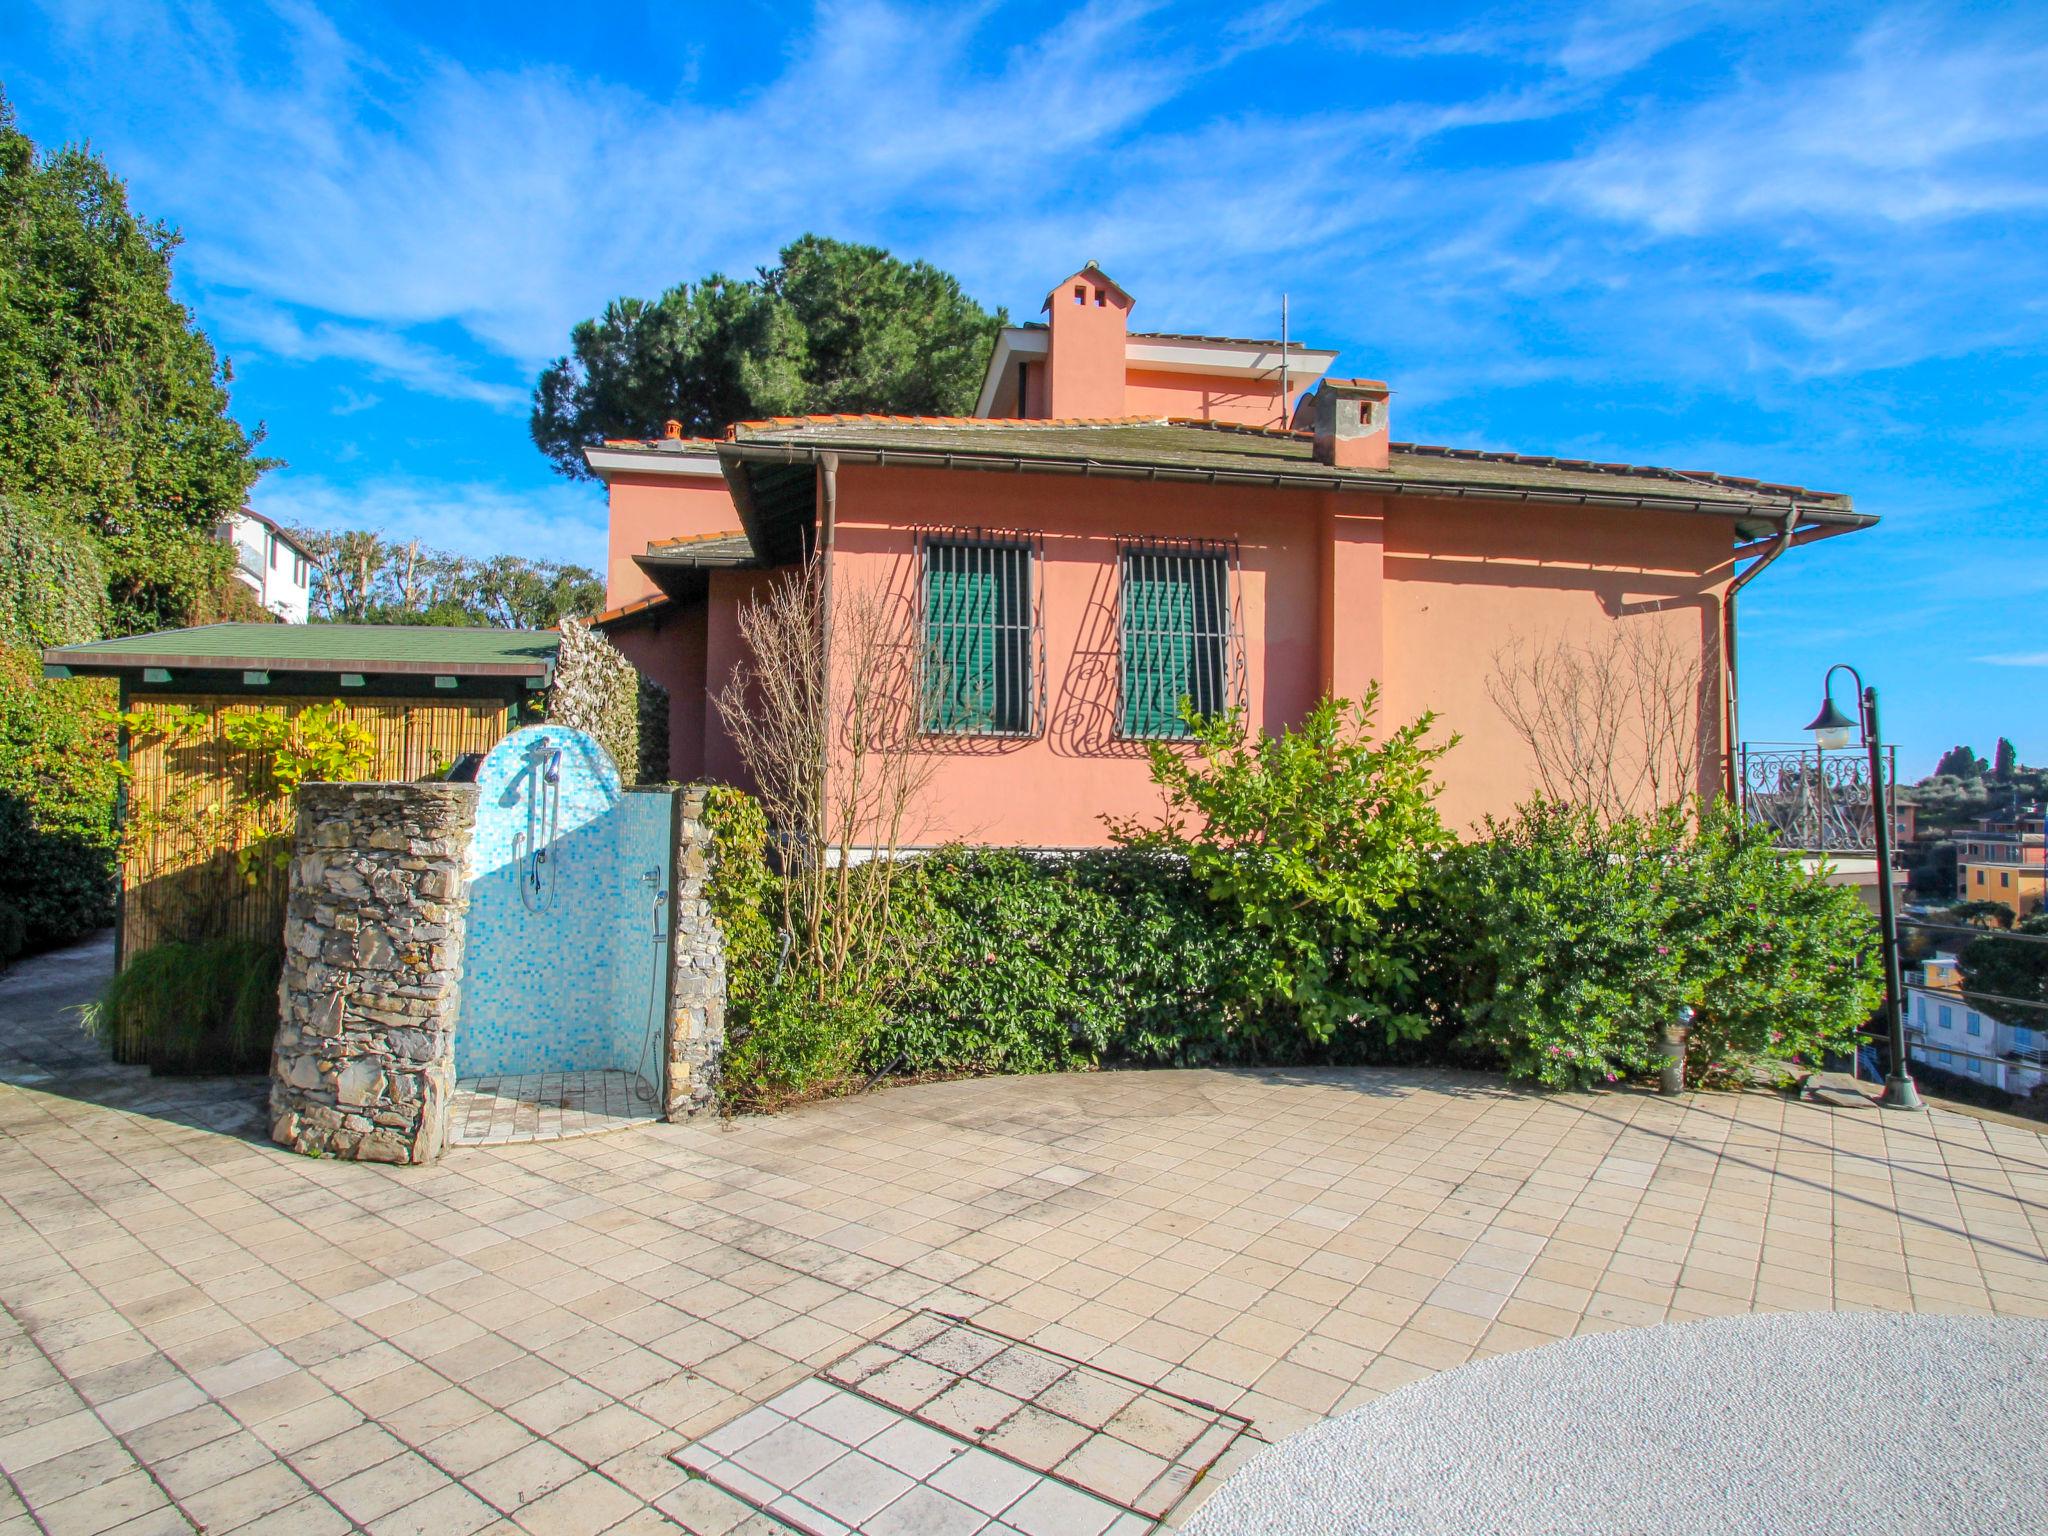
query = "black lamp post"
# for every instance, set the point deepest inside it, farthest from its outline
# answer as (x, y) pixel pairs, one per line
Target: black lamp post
(1833, 729)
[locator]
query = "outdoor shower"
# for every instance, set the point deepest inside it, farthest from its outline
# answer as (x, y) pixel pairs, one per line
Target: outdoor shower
(657, 991)
(566, 965)
(543, 825)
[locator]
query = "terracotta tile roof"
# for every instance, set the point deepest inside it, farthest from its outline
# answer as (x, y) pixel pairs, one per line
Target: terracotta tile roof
(693, 538)
(1021, 423)
(1534, 460)
(1169, 442)
(675, 444)
(631, 610)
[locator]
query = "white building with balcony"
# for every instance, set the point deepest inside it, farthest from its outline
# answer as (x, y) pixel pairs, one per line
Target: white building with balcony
(1950, 1032)
(270, 563)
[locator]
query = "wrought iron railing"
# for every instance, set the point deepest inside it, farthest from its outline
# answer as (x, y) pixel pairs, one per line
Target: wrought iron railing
(1817, 800)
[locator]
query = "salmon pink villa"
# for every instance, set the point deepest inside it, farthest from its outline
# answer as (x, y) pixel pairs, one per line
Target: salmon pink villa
(1135, 519)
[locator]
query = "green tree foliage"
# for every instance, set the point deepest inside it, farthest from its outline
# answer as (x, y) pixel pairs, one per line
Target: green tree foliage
(53, 590)
(113, 407)
(2005, 760)
(1574, 942)
(2011, 968)
(833, 327)
(1319, 838)
(1962, 763)
(359, 577)
(59, 783)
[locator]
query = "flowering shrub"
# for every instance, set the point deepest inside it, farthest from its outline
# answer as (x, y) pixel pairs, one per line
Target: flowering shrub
(597, 690)
(1577, 940)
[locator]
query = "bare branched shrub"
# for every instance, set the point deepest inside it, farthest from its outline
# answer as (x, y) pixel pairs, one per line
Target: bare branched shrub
(1612, 721)
(827, 730)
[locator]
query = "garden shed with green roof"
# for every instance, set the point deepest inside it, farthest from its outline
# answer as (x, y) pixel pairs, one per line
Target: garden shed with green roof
(426, 694)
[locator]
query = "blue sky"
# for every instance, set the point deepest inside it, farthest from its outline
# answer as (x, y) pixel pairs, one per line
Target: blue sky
(1801, 243)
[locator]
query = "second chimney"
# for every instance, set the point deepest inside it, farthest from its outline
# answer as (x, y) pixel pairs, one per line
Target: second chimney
(1351, 423)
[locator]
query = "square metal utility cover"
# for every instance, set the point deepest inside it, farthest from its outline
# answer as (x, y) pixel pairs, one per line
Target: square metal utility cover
(1137, 1446)
(946, 1427)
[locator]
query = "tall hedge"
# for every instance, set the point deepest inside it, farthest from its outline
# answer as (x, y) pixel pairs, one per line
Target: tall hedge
(113, 405)
(58, 791)
(53, 589)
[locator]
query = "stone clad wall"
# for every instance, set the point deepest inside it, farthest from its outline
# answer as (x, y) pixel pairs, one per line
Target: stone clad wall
(696, 1012)
(365, 1061)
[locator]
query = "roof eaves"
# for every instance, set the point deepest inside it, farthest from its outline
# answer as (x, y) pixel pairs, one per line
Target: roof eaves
(639, 608)
(793, 447)
(283, 534)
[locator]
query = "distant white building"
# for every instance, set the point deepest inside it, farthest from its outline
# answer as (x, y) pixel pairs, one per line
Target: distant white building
(270, 563)
(1949, 1031)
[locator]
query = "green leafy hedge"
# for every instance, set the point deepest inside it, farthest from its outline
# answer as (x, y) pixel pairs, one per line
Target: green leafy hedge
(53, 589)
(1300, 903)
(1015, 962)
(59, 787)
(1574, 941)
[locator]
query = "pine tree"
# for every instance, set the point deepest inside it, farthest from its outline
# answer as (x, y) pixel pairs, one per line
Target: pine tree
(833, 327)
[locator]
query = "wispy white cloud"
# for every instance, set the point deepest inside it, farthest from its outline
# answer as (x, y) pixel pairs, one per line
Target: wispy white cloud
(360, 191)
(554, 522)
(2017, 659)
(1915, 125)
(383, 353)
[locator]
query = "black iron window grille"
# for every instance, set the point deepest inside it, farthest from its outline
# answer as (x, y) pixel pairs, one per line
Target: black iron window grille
(983, 663)
(1182, 641)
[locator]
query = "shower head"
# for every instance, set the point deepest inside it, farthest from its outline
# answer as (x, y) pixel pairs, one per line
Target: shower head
(546, 760)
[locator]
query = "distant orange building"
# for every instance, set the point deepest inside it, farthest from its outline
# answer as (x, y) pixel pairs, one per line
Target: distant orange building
(2001, 859)
(1138, 518)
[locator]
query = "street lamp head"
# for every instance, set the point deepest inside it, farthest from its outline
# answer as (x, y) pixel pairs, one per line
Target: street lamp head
(1831, 728)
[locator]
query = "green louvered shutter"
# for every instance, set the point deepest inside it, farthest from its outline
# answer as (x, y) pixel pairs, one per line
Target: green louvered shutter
(977, 632)
(1175, 635)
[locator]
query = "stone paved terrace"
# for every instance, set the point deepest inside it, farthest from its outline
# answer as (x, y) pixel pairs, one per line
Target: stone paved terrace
(203, 1330)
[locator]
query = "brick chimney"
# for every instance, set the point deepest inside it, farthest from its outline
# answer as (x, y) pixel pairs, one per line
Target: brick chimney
(1089, 318)
(1351, 423)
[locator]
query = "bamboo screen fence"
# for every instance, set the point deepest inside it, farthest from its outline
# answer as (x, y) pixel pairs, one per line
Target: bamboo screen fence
(182, 884)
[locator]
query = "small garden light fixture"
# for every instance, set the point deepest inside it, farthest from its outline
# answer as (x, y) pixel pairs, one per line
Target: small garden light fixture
(1833, 730)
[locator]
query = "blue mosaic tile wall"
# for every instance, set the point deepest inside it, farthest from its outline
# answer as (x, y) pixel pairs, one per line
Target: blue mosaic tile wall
(558, 969)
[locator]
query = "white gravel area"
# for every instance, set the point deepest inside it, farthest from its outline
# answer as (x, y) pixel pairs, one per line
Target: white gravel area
(1807, 1424)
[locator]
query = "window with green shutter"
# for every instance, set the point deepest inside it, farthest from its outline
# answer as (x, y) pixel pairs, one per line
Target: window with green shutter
(980, 632)
(1178, 639)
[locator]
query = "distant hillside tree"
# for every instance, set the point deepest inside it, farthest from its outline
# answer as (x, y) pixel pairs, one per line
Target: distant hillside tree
(113, 407)
(2005, 760)
(834, 327)
(1961, 763)
(359, 577)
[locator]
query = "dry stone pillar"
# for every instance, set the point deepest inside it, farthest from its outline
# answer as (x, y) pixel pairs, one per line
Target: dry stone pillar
(696, 1014)
(365, 1061)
